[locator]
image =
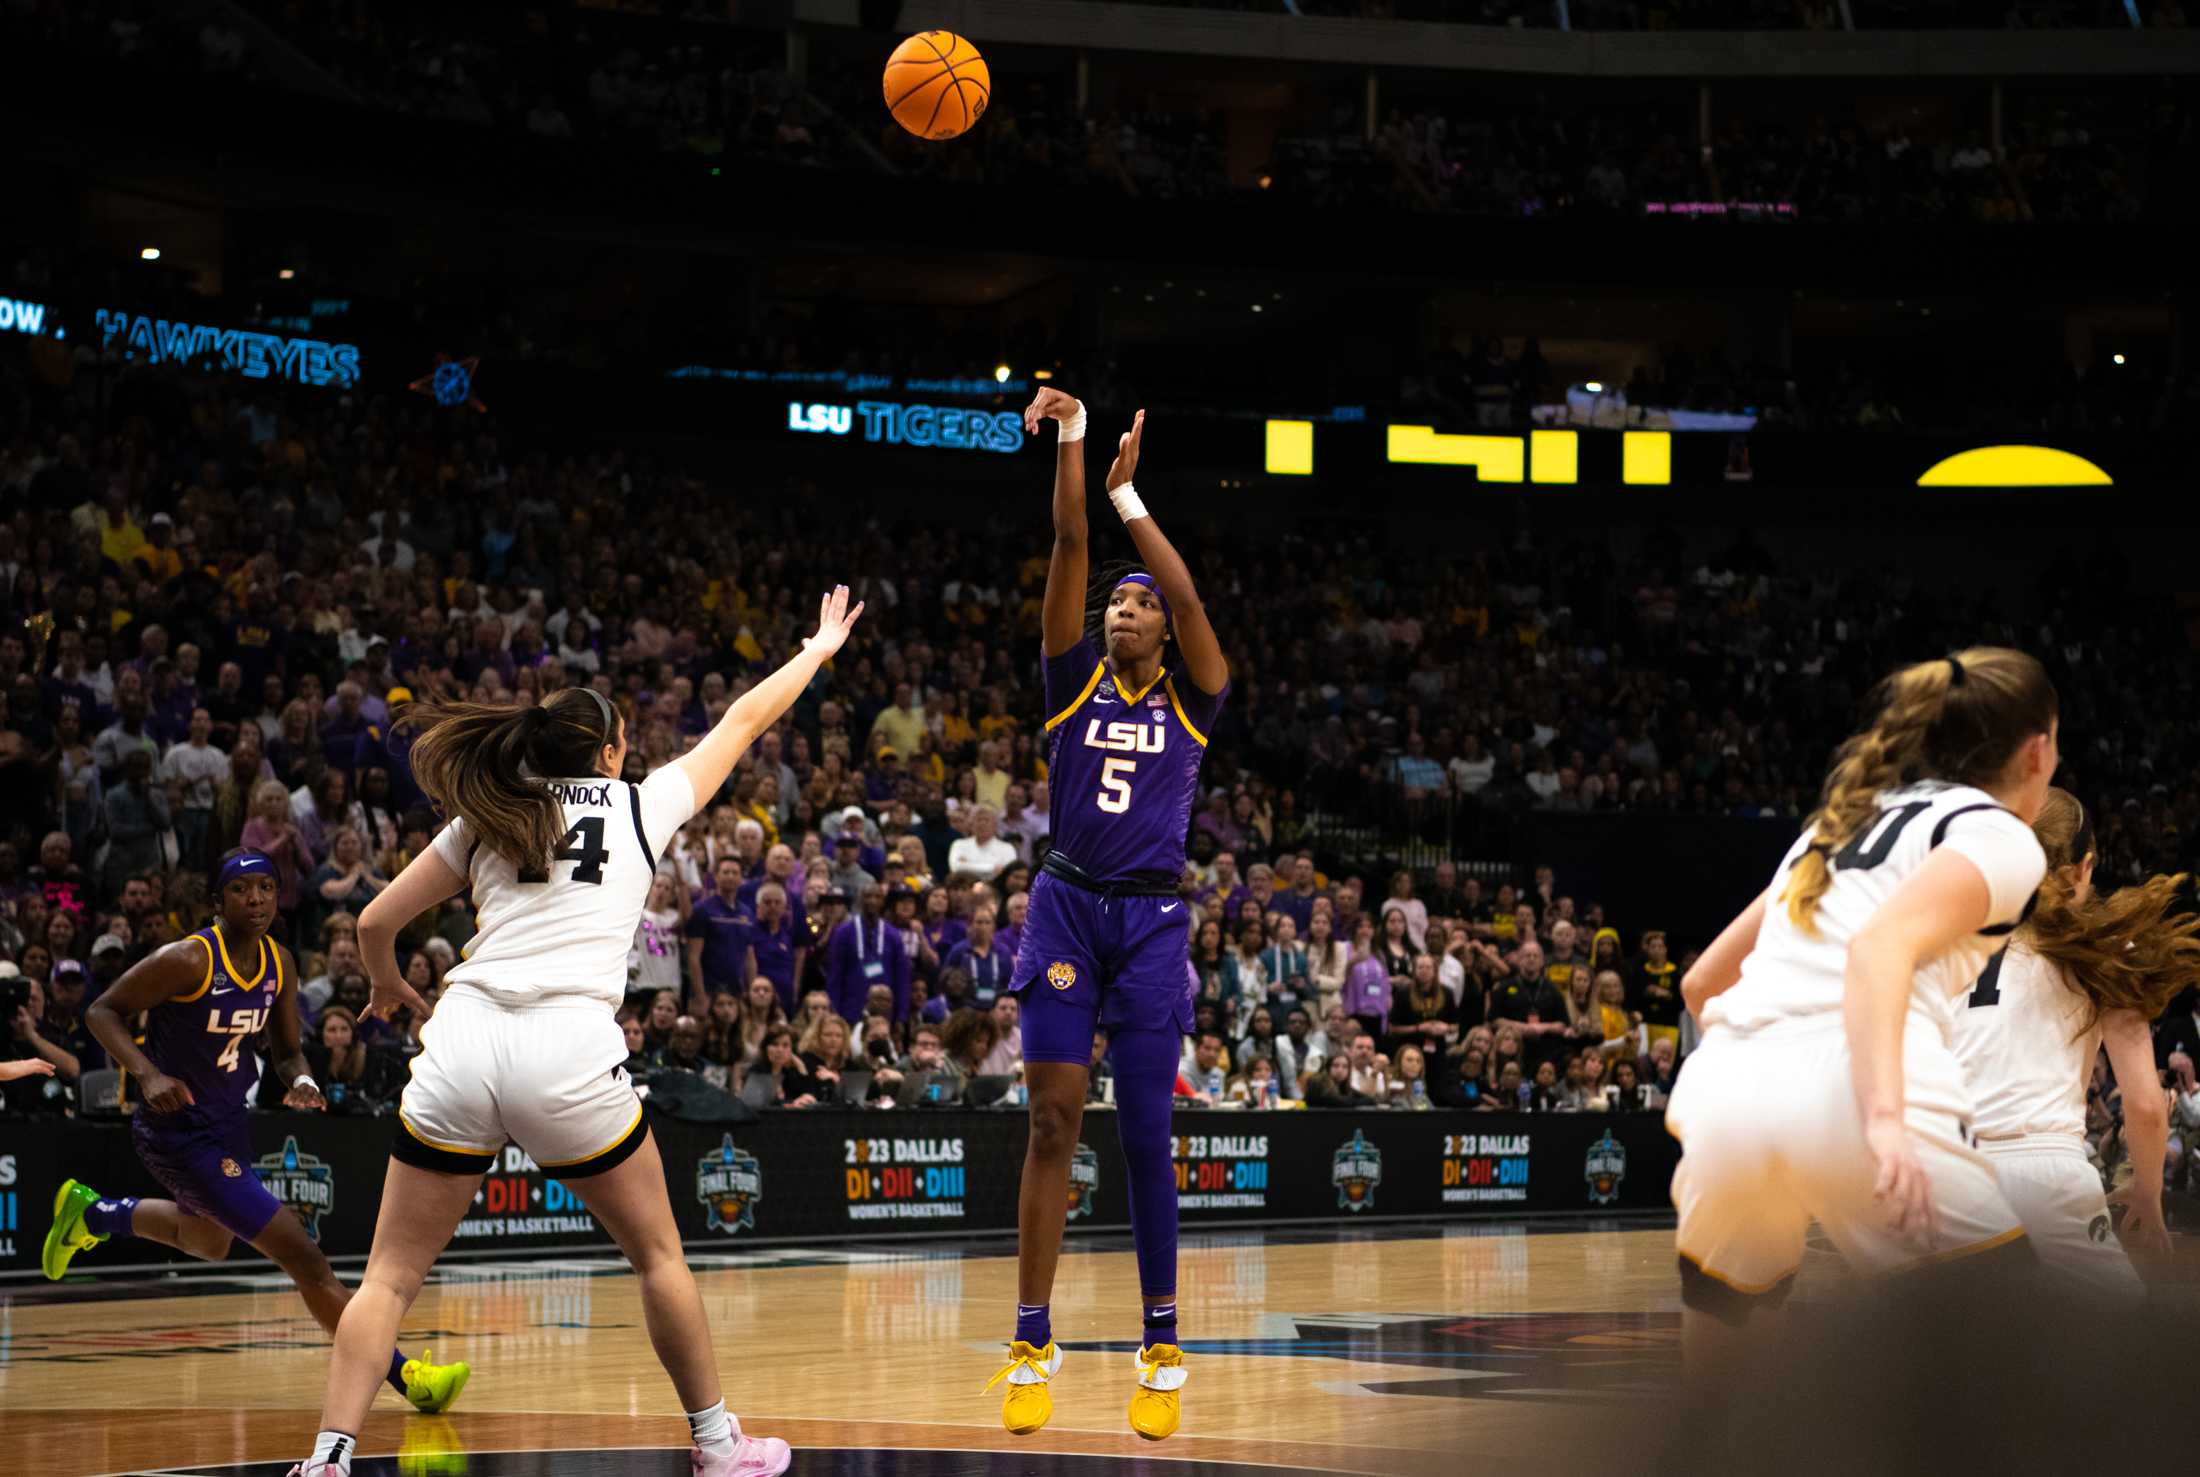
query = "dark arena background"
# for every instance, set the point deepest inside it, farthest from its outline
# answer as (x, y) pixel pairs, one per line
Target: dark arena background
(1567, 410)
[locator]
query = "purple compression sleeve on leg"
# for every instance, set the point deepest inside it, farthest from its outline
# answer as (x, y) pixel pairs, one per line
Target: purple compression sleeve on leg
(1145, 1064)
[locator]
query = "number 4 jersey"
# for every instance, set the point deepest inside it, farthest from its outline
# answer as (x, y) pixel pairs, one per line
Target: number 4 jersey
(1123, 766)
(208, 1037)
(567, 930)
(1793, 973)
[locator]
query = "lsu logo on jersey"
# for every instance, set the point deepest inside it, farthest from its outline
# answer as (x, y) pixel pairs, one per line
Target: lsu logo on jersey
(1126, 738)
(1061, 974)
(231, 1169)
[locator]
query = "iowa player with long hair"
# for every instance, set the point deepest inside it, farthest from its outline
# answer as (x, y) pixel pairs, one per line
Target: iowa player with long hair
(1105, 940)
(2082, 972)
(558, 855)
(206, 998)
(1825, 1087)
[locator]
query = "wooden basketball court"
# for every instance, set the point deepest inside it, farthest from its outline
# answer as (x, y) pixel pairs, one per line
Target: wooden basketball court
(1356, 1352)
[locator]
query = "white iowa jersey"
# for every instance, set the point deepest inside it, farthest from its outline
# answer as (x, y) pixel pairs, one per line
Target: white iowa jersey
(1793, 974)
(567, 931)
(2022, 1052)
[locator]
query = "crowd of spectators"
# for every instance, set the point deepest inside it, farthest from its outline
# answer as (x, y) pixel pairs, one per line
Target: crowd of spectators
(599, 100)
(2063, 157)
(1737, 15)
(245, 583)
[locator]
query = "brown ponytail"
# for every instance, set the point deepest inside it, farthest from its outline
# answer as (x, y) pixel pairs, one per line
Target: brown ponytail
(1958, 719)
(487, 764)
(2119, 952)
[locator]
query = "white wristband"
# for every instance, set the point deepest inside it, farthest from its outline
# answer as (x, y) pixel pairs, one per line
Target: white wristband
(304, 1079)
(1073, 429)
(1127, 503)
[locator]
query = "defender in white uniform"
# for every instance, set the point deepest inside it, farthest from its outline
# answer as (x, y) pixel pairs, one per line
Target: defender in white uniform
(2029, 1032)
(1825, 1087)
(523, 1047)
(2028, 1053)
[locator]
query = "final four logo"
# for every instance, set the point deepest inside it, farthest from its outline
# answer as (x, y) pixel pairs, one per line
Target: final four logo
(1606, 1167)
(730, 1182)
(1356, 1169)
(1084, 1179)
(301, 1181)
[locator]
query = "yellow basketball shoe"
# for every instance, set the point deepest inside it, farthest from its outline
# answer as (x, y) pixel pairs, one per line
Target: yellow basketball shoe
(1154, 1405)
(1028, 1404)
(433, 1388)
(67, 1235)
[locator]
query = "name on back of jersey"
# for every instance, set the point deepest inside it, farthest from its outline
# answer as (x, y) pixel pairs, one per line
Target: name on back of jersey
(571, 794)
(1127, 738)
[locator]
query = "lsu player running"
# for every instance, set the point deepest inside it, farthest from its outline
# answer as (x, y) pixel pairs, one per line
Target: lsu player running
(1825, 1086)
(1105, 941)
(558, 854)
(206, 998)
(2083, 971)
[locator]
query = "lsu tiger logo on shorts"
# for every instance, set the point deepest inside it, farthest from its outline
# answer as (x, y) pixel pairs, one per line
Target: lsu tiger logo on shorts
(1061, 974)
(231, 1169)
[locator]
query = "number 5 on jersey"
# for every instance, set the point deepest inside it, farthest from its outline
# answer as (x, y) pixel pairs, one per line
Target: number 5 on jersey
(1115, 784)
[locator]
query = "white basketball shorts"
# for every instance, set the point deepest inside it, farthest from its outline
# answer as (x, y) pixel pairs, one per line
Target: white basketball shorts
(1772, 1138)
(549, 1076)
(2057, 1191)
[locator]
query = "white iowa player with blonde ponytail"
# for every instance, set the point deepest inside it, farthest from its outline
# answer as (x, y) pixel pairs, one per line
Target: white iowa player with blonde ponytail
(1825, 1088)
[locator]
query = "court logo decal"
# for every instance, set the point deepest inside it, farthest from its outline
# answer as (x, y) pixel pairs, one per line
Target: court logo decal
(303, 1182)
(1605, 1168)
(1084, 1179)
(1356, 1169)
(729, 1182)
(1061, 974)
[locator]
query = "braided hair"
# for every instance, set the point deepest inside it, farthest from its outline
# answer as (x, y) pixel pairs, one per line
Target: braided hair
(1958, 719)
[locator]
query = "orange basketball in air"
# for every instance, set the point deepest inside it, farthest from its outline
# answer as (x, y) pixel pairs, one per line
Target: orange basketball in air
(937, 85)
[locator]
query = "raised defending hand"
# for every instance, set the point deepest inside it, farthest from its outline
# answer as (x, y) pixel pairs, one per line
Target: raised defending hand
(1049, 404)
(1126, 453)
(834, 621)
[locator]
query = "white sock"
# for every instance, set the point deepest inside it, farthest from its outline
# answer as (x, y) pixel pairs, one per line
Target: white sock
(334, 1449)
(713, 1430)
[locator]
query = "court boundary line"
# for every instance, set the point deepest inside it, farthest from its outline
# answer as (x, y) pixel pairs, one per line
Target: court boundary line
(193, 1267)
(201, 1471)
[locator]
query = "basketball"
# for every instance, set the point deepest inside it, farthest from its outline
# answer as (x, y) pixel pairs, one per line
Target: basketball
(937, 85)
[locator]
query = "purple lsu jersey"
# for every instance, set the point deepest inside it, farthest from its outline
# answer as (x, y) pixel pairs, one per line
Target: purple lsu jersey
(1123, 766)
(207, 1039)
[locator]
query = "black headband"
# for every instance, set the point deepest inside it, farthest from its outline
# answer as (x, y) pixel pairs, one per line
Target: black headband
(1956, 674)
